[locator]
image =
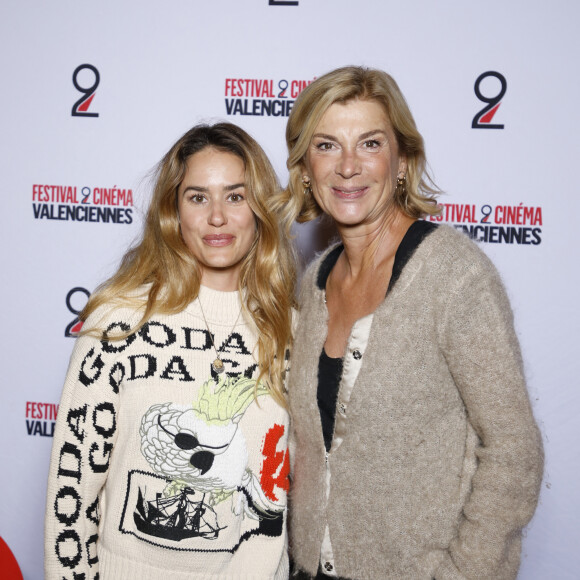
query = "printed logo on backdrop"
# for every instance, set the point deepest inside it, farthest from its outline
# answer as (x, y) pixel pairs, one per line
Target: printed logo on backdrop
(499, 224)
(493, 96)
(8, 563)
(86, 79)
(282, 2)
(262, 97)
(74, 299)
(40, 418)
(111, 205)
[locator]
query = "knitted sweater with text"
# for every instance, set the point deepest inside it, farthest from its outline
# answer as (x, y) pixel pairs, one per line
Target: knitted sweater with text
(160, 468)
(438, 465)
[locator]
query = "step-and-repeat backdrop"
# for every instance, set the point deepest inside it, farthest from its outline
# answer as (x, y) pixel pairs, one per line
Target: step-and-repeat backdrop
(93, 94)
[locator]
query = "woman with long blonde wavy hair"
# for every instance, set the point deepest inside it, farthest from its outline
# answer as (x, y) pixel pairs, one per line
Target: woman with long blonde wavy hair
(170, 452)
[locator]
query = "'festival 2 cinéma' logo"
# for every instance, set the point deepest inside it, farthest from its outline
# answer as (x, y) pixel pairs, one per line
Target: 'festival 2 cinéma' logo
(76, 300)
(262, 97)
(82, 204)
(83, 75)
(41, 418)
(500, 224)
(483, 118)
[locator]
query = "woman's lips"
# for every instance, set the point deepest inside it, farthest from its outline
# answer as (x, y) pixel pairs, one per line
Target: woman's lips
(217, 240)
(349, 192)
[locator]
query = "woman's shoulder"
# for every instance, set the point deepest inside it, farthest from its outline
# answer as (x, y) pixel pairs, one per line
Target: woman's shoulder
(455, 264)
(454, 250)
(322, 263)
(126, 310)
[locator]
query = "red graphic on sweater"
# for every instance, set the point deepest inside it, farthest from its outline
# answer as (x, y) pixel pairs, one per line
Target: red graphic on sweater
(276, 466)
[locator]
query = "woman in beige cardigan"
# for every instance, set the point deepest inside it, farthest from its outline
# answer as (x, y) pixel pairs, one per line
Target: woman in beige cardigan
(417, 454)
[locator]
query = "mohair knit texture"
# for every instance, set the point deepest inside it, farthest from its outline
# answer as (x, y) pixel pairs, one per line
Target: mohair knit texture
(441, 464)
(159, 469)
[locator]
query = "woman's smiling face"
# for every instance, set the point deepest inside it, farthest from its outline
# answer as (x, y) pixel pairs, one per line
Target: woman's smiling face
(353, 161)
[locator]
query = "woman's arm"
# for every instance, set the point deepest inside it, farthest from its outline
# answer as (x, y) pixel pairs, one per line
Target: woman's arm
(83, 440)
(484, 358)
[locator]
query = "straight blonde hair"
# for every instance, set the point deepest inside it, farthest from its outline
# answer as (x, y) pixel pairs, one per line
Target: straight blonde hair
(342, 85)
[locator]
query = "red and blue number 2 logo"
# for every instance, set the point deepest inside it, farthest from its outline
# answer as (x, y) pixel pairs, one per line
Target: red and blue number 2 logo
(81, 107)
(483, 119)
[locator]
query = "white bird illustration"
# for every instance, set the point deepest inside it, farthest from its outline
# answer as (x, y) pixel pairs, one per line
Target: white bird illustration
(201, 447)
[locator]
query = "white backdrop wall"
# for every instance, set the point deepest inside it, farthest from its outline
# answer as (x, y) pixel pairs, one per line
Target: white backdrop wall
(163, 67)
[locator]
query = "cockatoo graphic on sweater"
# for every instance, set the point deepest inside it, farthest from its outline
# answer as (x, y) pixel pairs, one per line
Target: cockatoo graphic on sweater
(200, 447)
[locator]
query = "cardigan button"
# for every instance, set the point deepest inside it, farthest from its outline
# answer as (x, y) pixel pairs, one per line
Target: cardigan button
(357, 354)
(328, 566)
(342, 408)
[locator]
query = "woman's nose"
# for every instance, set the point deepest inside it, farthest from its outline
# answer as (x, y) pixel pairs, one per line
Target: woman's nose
(217, 215)
(349, 164)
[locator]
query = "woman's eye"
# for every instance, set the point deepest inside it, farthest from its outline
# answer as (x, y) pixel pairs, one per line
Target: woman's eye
(324, 146)
(371, 144)
(236, 197)
(197, 198)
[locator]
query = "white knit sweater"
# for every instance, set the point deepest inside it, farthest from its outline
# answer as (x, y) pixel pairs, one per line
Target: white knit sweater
(159, 471)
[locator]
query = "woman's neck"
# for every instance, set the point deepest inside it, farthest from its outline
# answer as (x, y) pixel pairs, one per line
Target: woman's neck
(225, 280)
(370, 246)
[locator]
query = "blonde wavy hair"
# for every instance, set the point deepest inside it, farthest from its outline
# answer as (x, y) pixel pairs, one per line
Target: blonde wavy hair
(341, 86)
(162, 261)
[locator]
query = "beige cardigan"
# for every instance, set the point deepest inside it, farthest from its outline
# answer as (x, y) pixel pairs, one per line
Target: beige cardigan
(441, 464)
